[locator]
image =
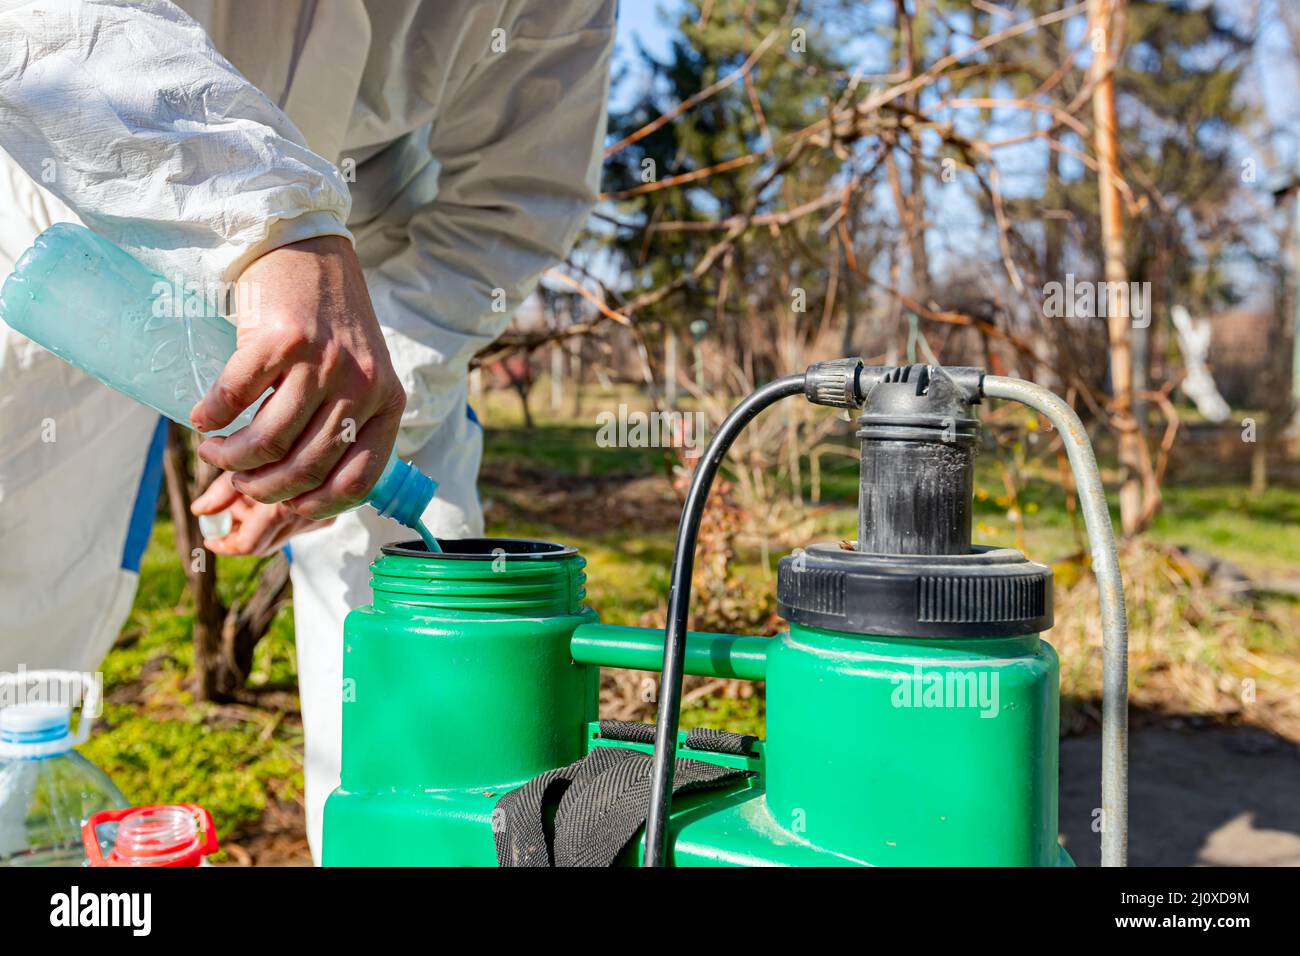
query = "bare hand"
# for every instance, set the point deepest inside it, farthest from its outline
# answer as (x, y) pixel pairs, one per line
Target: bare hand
(257, 528)
(321, 440)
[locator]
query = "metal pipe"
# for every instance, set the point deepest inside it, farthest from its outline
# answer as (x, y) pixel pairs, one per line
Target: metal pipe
(679, 601)
(1114, 625)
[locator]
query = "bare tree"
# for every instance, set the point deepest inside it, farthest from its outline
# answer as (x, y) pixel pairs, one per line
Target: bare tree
(225, 636)
(1105, 22)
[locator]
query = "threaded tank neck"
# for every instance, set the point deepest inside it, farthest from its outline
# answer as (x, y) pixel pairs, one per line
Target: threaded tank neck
(502, 576)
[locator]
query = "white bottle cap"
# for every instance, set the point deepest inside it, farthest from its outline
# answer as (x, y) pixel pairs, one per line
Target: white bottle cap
(36, 730)
(36, 724)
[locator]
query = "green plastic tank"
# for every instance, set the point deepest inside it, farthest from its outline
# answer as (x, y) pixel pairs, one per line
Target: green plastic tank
(911, 705)
(458, 685)
(472, 673)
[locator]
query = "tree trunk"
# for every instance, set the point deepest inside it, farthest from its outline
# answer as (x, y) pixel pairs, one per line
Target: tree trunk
(557, 377)
(199, 563)
(670, 367)
(577, 375)
(917, 254)
(246, 625)
(224, 638)
(1054, 243)
(1104, 18)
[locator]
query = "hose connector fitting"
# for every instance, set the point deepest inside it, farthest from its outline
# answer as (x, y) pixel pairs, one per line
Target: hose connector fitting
(834, 383)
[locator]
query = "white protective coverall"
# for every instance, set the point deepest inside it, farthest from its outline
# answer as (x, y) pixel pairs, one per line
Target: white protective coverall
(457, 141)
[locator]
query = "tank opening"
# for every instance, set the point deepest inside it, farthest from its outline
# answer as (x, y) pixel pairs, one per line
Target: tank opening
(483, 549)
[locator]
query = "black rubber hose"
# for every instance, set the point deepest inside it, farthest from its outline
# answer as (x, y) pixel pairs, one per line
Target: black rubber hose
(679, 601)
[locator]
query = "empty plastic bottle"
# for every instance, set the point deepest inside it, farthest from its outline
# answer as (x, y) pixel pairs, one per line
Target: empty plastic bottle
(160, 342)
(47, 790)
(174, 835)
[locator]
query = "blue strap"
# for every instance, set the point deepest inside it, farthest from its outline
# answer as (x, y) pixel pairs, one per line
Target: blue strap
(146, 501)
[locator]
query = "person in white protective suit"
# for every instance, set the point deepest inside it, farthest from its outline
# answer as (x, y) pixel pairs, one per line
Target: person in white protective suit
(454, 143)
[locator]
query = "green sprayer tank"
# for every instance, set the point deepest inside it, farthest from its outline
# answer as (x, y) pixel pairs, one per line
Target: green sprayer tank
(912, 706)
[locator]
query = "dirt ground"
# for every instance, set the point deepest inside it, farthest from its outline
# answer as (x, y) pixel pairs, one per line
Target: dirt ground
(1198, 796)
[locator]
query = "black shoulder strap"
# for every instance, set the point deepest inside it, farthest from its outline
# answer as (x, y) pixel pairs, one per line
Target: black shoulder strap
(586, 813)
(698, 738)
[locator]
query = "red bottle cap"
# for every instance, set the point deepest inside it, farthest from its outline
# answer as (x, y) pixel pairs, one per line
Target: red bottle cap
(174, 835)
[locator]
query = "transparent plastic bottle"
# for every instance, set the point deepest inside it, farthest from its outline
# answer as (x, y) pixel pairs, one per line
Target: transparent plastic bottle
(157, 341)
(47, 790)
(174, 835)
(98, 308)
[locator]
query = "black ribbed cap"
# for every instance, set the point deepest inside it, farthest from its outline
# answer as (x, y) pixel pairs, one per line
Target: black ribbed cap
(989, 592)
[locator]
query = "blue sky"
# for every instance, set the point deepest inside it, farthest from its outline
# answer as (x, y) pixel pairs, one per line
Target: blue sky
(639, 20)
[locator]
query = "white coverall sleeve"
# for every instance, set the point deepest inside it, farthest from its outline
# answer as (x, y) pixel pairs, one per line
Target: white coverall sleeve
(126, 112)
(519, 149)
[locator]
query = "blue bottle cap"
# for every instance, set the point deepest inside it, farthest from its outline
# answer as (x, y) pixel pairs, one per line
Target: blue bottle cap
(402, 492)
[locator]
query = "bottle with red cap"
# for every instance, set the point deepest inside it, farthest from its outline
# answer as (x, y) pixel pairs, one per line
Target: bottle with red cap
(174, 835)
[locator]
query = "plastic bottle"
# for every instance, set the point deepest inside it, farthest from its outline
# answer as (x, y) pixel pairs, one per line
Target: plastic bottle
(159, 342)
(47, 790)
(173, 835)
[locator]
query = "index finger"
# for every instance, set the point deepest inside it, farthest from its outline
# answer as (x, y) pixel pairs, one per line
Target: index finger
(248, 373)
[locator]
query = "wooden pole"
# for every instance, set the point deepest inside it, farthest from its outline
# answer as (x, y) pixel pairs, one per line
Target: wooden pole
(1104, 20)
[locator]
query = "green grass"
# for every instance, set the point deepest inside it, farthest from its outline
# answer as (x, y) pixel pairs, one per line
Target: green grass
(567, 449)
(160, 746)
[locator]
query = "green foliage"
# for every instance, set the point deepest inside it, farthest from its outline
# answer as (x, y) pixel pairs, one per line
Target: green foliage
(161, 747)
(795, 83)
(1182, 109)
(738, 715)
(232, 767)
(568, 449)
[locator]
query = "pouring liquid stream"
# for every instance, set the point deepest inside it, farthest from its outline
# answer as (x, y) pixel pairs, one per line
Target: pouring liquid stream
(430, 542)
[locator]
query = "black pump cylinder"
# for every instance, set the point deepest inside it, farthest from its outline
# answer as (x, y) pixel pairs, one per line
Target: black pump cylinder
(915, 497)
(914, 572)
(918, 460)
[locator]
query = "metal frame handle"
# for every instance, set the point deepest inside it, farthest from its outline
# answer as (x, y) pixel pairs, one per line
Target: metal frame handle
(1110, 585)
(87, 692)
